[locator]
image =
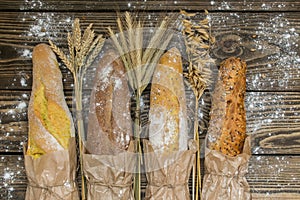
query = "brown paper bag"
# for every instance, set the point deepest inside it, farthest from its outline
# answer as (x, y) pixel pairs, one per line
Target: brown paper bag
(52, 176)
(110, 176)
(225, 175)
(168, 175)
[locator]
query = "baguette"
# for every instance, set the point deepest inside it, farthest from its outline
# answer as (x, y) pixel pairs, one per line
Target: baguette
(50, 121)
(227, 133)
(167, 114)
(110, 123)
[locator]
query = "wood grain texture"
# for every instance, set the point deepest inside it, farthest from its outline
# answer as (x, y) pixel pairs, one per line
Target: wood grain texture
(13, 177)
(270, 43)
(269, 177)
(273, 119)
(144, 5)
(274, 176)
(264, 33)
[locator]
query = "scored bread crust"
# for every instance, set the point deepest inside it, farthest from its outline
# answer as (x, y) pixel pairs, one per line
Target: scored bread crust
(167, 114)
(227, 129)
(47, 85)
(110, 123)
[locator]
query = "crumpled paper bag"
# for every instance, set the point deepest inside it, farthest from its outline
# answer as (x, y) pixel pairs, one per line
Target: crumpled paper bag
(225, 175)
(52, 176)
(110, 176)
(168, 175)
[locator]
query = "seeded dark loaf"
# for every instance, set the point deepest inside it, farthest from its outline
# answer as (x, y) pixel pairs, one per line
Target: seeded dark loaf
(227, 130)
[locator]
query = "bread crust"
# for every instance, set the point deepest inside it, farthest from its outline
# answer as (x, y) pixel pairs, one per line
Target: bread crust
(47, 108)
(167, 115)
(227, 130)
(110, 123)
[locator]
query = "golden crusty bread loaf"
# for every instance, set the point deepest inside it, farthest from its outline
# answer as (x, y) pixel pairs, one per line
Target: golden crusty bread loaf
(167, 114)
(110, 123)
(227, 130)
(50, 121)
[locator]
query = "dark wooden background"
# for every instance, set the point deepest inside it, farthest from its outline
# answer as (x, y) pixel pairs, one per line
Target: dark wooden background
(265, 33)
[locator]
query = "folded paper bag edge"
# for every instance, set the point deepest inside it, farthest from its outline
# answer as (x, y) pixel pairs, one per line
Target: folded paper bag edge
(52, 175)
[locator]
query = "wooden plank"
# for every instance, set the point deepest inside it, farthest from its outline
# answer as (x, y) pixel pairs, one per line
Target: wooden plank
(13, 119)
(273, 122)
(158, 5)
(274, 176)
(273, 119)
(13, 177)
(268, 177)
(264, 33)
(266, 45)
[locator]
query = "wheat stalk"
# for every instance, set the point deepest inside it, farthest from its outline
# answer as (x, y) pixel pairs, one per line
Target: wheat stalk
(94, 50)
(130, 47)
(82, 52)
(198, 42)
(77, 35)
(139, 64)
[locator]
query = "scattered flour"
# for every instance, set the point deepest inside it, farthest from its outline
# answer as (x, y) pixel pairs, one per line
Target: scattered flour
(21, 105)
(23, 82)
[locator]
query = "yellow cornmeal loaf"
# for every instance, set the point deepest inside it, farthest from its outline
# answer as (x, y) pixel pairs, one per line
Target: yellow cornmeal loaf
(228, 116)
(50, 122)
(167, 115)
